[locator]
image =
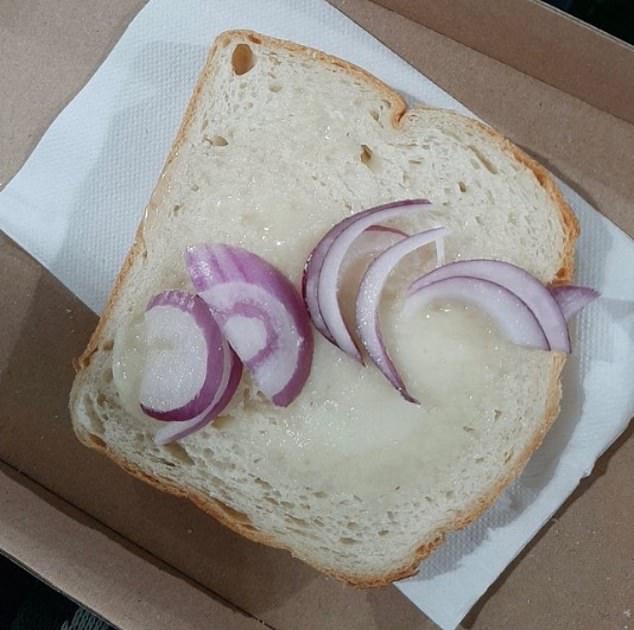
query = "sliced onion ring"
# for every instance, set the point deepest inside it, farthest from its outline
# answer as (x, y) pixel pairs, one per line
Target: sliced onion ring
(367, 306)
(260, 313)
(185, 357)
(324, 264)
(373, 239)
(537, 297)
(511, 315)
(232, 374)
(571, 299)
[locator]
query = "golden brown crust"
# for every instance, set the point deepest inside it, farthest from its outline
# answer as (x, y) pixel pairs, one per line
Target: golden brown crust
(236, 521)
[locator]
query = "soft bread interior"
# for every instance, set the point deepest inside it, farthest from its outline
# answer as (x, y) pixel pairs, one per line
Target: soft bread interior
(280, 144)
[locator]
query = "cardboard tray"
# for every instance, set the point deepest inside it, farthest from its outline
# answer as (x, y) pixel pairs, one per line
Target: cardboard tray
(560, 89)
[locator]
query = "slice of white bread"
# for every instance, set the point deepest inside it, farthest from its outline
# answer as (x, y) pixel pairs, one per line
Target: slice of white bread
(278, 144)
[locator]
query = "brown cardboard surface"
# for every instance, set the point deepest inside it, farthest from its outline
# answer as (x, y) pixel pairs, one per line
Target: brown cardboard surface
(550, 586)
(88, 563)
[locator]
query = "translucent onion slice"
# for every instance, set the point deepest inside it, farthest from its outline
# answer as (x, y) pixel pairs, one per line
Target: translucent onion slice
(511, 315)
(321, 275)
(183, 369)
(232, 374)
(369, 297)
(572, 299)
(527, 288)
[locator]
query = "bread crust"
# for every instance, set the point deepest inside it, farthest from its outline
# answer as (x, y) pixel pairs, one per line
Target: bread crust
(229, 517)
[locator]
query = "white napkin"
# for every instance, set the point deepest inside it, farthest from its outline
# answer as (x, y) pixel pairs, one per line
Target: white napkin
(75, 205)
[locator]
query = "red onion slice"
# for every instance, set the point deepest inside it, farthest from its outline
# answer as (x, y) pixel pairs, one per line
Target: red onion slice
(232, 374)
(260, 313)
(537, 297)
(571, 299)
(324, 265)
(367, 307)
(185, 357)
(512, 316)
(375, 238)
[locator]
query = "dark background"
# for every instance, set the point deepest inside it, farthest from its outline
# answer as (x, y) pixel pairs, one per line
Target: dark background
(27, 604)
(613, 16)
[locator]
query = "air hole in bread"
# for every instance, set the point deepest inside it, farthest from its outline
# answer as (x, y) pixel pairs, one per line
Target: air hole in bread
(217, 141)
(507, 455)
(497, 414)
(384, 532)
(262, 483)
(204, 125)
(375, 114)
(415, 161)
(107, 377)
(275, 87)
(468, 429)
(462, 186)
(346, 540)
(179, 453)
(319, 494)
(176, 209)
(368, 158)
(195, 187)
(484, 160)
(242, 59)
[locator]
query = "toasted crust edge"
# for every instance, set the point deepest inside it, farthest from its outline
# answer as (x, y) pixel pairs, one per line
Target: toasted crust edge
(215, 508)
